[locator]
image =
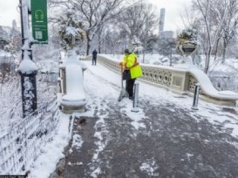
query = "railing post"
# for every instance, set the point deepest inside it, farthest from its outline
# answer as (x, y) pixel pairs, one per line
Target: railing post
(196, 97)
(136, 97)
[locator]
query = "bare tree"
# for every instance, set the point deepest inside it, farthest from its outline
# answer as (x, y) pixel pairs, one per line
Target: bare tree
(138, 23)
(94, 14)
(166, 47)
(225, 15)
(114, 41)
(6, 66)
(207, 39)
(230, 24)
(217, 24)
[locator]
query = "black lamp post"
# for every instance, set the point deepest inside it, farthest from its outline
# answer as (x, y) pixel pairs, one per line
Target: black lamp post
(27, 68)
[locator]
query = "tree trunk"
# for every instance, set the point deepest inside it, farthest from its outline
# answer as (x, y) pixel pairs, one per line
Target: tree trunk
(143, 56)
(99, 44)
(207, 62)
(73, 41)
(170, 60)
(88, 44)
(224, 51)
(216, 48)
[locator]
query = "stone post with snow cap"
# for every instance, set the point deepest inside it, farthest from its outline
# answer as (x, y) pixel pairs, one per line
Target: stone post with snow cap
(73, 96)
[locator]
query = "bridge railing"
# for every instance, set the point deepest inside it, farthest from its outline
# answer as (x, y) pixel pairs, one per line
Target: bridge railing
(178, 80)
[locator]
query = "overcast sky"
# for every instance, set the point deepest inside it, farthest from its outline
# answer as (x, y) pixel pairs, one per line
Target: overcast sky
(8, 12)
(174, 9)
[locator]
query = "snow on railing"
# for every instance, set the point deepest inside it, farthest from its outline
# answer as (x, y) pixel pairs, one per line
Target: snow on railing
(20, 146)
(179, 80)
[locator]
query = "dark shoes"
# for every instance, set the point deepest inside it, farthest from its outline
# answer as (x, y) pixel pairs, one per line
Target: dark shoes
(131, 97)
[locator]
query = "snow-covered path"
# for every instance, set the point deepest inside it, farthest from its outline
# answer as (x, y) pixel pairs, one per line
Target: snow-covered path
(164, 139)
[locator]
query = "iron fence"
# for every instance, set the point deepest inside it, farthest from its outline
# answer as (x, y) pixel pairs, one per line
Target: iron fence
(22, 143)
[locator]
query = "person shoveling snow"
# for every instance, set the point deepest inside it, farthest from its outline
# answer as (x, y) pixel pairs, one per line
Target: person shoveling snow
(130, 71)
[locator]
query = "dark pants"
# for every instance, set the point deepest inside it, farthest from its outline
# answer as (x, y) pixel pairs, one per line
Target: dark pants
(94, 61)
(129, 86)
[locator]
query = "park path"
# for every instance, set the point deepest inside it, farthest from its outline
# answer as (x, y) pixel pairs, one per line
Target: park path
(162, 140)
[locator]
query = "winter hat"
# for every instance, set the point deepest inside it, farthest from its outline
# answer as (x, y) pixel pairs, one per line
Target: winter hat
(126, 51)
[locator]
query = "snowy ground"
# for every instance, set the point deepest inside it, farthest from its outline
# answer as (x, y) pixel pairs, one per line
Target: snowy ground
(102, 88)
(114, 125)
(155, 95)
(164, 138)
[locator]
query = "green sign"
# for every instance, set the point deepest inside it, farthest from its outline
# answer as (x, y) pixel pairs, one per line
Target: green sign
(39, 20)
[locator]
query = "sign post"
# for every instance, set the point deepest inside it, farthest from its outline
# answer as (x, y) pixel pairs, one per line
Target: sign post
(40, 35)
(39, 21)
(28, 77)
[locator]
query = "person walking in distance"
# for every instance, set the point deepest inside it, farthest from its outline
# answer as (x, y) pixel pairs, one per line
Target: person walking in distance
(94, 59)
(131, 66)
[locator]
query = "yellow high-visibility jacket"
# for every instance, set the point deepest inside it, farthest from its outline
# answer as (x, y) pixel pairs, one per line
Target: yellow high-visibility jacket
(130, 62)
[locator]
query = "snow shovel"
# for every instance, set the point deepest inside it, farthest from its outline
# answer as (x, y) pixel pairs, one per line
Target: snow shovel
(123, 92)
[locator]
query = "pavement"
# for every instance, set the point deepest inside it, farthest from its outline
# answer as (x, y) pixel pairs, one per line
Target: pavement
(171, 145)
(162, 140)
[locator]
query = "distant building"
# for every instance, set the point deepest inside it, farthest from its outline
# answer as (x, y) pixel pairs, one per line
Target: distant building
(166, 34)
(161, 20)
(14, 24)
(162, 33)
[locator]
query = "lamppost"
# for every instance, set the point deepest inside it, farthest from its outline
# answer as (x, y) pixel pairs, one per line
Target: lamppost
(27, 68)
(188, 46)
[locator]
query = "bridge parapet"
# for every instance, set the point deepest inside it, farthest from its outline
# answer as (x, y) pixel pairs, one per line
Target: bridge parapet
(178, 80)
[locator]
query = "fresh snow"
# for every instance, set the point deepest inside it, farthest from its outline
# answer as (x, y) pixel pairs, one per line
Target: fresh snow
(27, 66)
(102, 84)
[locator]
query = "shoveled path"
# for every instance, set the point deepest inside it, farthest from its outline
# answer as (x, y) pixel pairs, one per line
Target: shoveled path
(166, 141)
